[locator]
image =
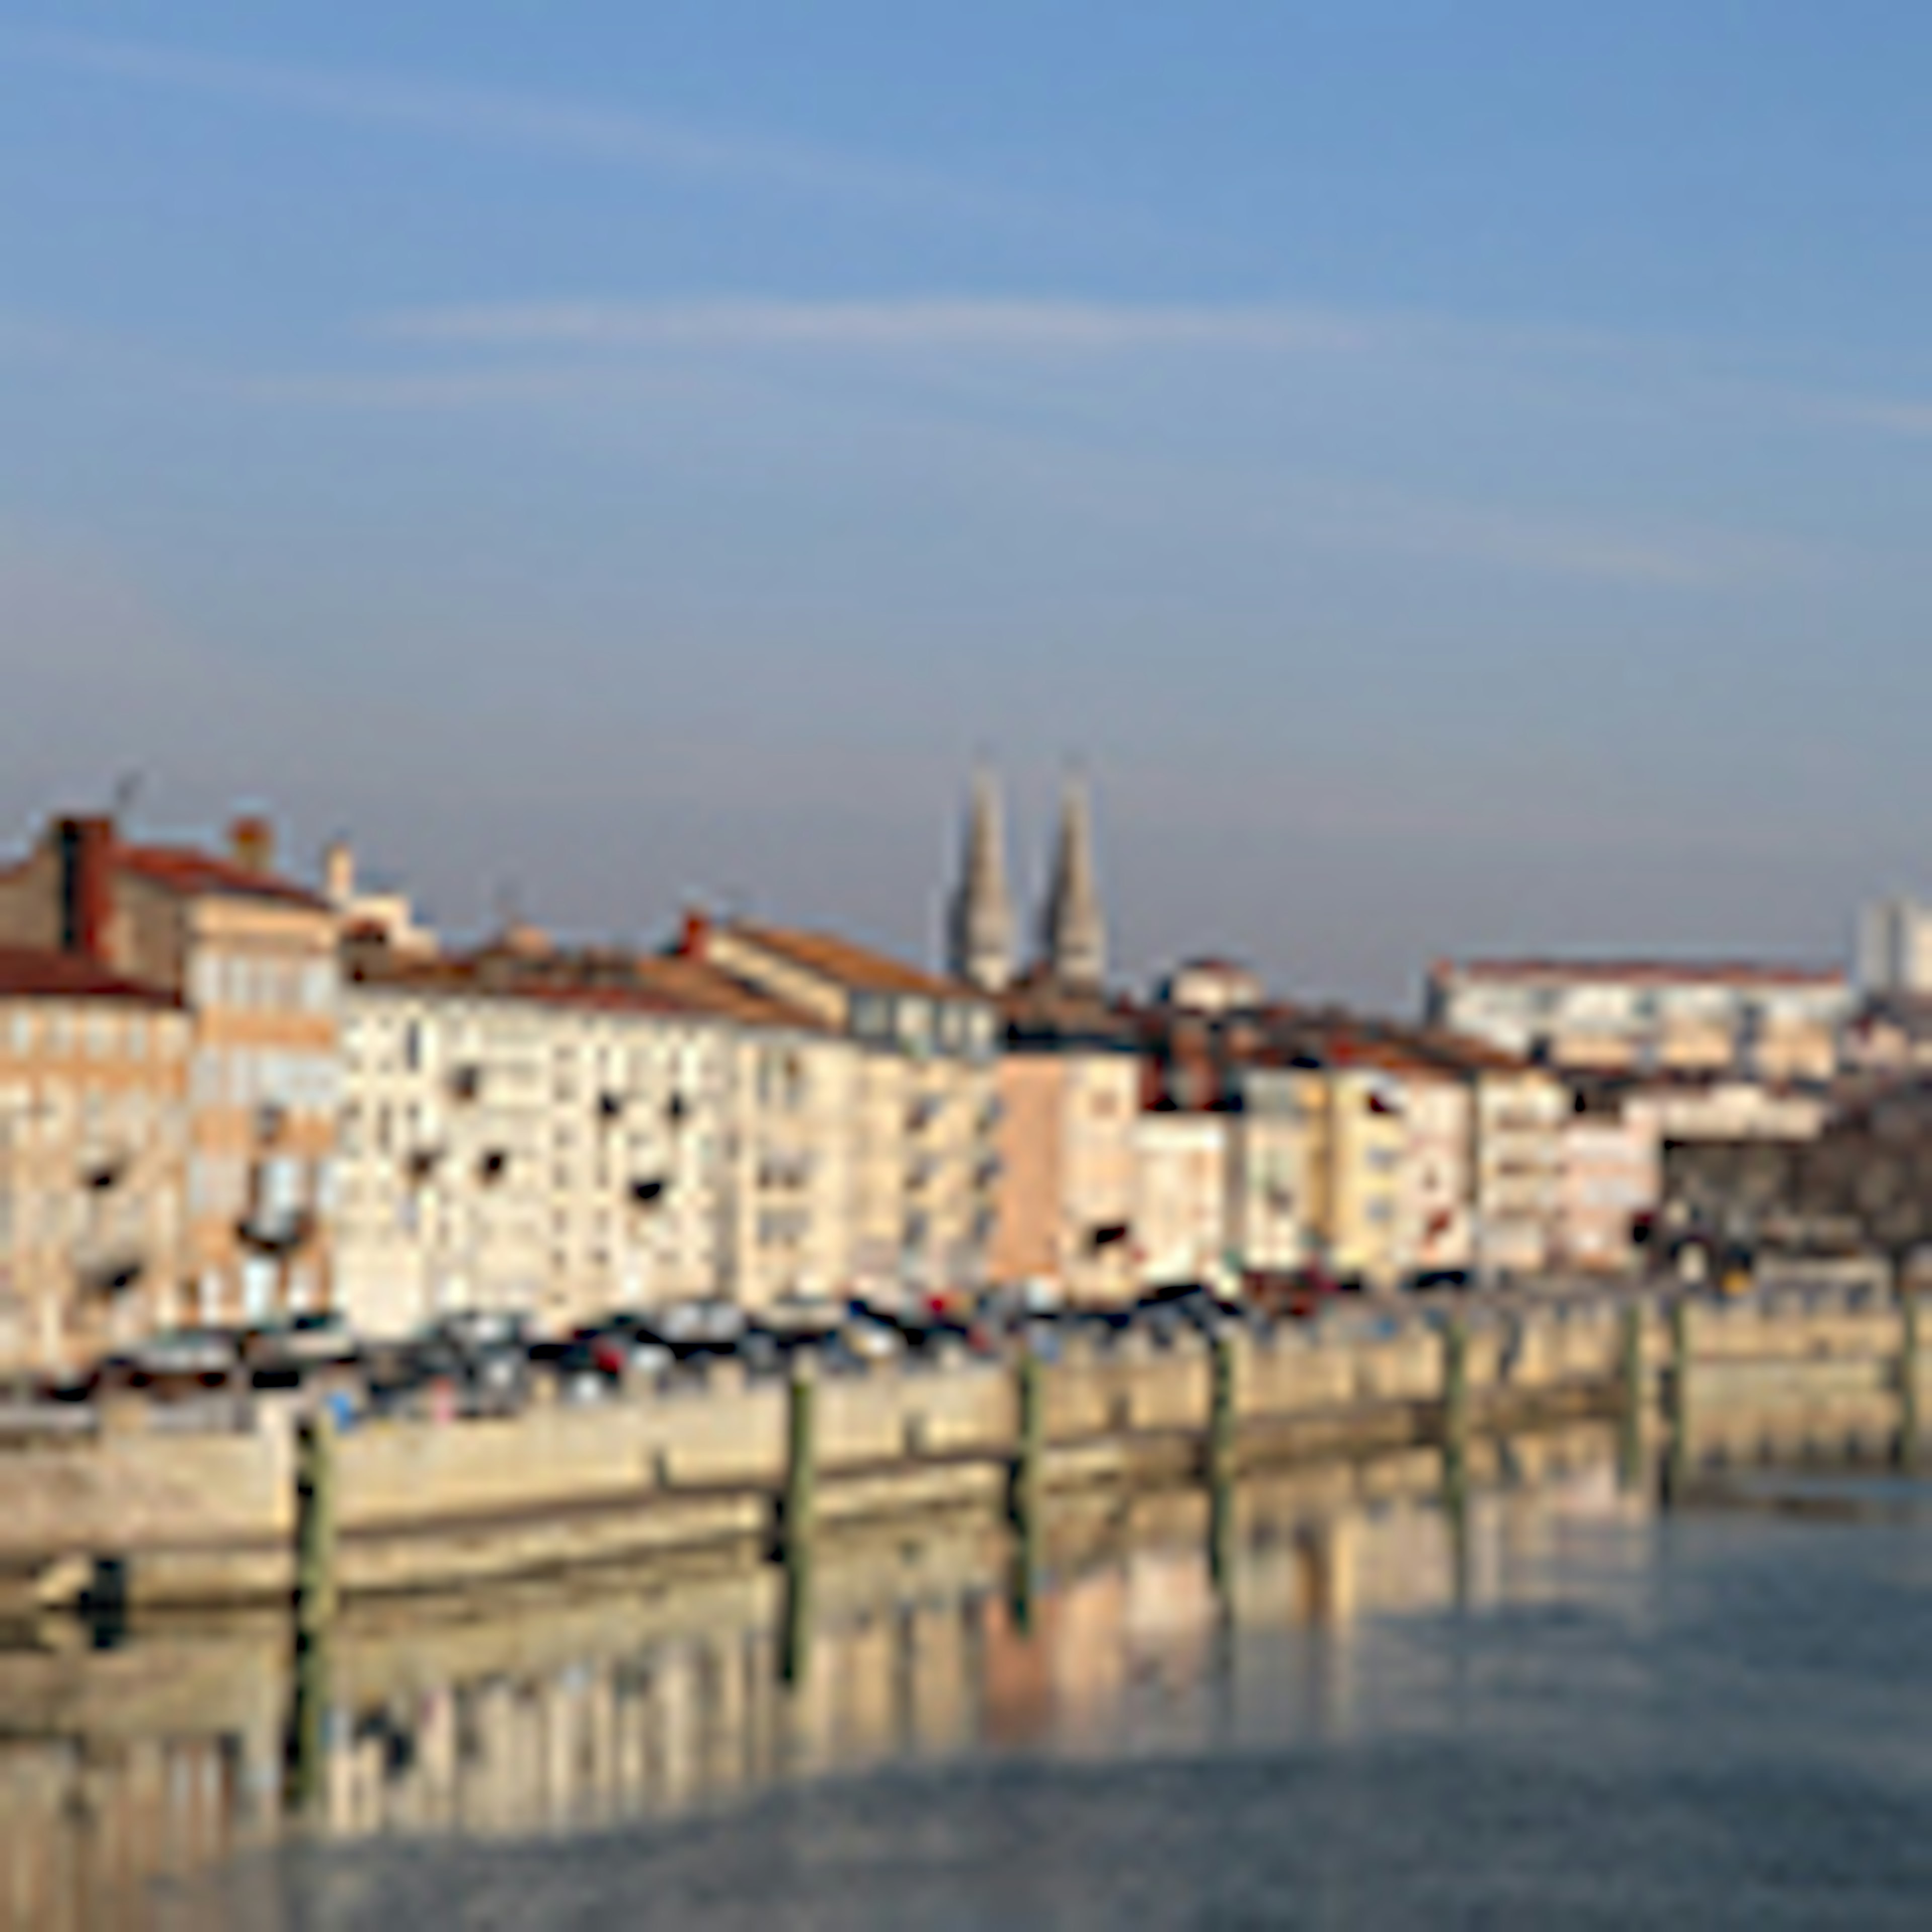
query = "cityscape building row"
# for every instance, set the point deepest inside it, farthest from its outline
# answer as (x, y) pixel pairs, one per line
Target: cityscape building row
(228, 1098)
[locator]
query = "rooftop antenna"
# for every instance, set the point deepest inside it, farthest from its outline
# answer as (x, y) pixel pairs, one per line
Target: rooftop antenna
(127, 790)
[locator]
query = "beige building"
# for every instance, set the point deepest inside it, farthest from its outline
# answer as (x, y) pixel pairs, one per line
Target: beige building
(1520, 1113)
(1769, 1022)
(1069, 1094)
(93, 1161)
(925, 1164)
(1268, 1183)
(566, 1135)
(1726, 1110)
(793, 1095)
(253, 958)
(1065, 1201)
(1357, 1140)
(1438, 1211)
(1180, 1226)
(1613, 1176)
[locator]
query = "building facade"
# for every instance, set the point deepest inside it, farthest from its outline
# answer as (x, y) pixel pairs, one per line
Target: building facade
(1766, 1022)
(1268, 1182)
(1894, 947)
(253, 958)
(1181, 1183)
(1065, 1204)
(1611, 1182)
(923, 1152)
(93, 1161)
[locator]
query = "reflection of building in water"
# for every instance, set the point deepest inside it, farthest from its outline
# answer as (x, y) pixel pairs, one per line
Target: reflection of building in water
(118, 1767)
(572, 1708)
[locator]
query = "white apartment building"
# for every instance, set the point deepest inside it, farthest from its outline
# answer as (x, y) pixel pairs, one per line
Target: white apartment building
(1770, 1022)
(1894, 947)
(1181, 1167)
(517, 1133)
(557, 1152)
(1519, 1117)
(1436, 1209)
(1268, 1181)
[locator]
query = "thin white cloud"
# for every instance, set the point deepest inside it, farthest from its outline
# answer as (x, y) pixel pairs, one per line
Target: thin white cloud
(917, 323)
(570, 129)
(1892, 417)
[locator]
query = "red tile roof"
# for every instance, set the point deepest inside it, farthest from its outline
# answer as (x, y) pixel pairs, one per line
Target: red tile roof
(1647, 972)
(706, 988)
(637, 983)
(34, 973)
(855, 967)
(177, 869)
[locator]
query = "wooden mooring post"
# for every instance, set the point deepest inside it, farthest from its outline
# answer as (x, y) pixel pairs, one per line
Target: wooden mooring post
(1907, 1452)
(1455, 1446)
(316, 1603)
(1633, 1395)
(1026, 1482)
(797, 1518)
(1221, 1460)
(1677, 1463)
(1455, 1383)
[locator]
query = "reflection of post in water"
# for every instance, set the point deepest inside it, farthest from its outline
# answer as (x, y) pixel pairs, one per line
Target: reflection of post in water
(314, 1608)
(1456, 1448)
(1221, 1465)
(1906, 1450)
(1025, 1484)
(1633, 1398)
(797, 1525)
(1456, 1515)
(1677, 1463)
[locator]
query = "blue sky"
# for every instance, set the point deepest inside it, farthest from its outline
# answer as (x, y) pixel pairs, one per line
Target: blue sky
(1454, 474)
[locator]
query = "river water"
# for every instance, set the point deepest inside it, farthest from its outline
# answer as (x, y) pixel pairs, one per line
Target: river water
(1519, 1690)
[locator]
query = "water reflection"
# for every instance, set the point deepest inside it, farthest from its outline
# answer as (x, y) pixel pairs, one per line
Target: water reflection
(1101, 1623)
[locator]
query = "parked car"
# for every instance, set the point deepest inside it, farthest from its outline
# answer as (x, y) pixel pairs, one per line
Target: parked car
(701, 1328)
(628, 1343)
(285, 1351)
(480, 1356)
(1297, 1295)
(174, 1359)
(870, 1339)
(1173, 1306)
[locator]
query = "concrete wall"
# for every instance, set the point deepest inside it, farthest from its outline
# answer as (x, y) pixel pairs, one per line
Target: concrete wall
(209, 1512)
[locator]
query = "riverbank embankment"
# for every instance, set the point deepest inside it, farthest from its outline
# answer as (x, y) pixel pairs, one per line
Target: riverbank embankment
(141, 1509)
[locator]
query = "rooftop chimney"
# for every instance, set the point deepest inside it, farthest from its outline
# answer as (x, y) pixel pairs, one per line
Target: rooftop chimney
(251, 843)
(338, 873)
(85, 847)
(694, 938)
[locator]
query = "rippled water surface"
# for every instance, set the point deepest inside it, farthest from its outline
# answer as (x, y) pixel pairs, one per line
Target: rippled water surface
(1356, 1699)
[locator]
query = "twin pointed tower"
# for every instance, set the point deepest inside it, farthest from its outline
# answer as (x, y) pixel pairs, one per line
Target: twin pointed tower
(1072, 933)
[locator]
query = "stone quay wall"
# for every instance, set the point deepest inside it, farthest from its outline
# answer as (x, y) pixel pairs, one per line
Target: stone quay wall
(146, 1510)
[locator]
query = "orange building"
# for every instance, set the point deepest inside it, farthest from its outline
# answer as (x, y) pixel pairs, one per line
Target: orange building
(252, 956)
(93, 1159)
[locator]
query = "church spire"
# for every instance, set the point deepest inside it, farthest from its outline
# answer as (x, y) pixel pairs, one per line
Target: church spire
(980, 941)
(1073, 935)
